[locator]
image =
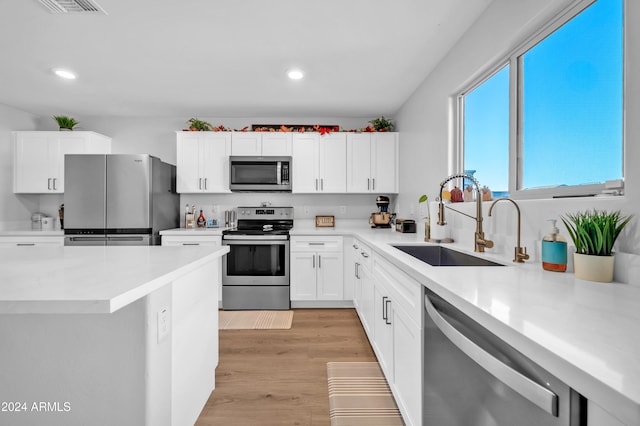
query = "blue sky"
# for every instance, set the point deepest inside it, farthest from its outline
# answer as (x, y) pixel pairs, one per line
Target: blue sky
(572, 119)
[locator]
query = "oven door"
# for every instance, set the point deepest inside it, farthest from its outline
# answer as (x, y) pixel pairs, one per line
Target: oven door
(256, 260)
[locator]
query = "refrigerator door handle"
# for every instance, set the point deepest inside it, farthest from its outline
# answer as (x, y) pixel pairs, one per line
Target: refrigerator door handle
(537, 394)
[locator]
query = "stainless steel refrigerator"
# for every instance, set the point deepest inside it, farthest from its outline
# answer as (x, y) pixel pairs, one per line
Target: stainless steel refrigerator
(118, 199)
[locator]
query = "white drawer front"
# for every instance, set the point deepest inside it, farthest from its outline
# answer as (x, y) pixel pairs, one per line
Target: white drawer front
(316, 243)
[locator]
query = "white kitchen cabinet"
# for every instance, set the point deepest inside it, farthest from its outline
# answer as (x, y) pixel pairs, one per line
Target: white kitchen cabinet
(398, 336)
(363, 292)
(372, 162)
(316, 268)
(319, 163)
(38, 157)
(203, 162)
(597, 416)
(261, 143)
(30, 241)
(197, 240)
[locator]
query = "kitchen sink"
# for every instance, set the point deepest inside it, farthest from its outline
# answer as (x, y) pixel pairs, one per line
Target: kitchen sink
(442, 256)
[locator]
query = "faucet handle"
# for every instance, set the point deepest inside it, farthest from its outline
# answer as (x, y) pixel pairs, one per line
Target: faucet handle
(520, 254)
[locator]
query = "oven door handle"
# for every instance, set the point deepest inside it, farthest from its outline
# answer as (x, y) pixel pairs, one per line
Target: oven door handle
(537, 394)
(256, 237)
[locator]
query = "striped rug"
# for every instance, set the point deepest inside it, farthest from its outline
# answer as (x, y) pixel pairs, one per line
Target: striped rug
(359, 395)
(255, 320)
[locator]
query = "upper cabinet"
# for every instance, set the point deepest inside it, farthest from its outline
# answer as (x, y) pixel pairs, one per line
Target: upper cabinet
(261, 143)
(319, 162)
(38, 157)
(372, 162)
(203, 162)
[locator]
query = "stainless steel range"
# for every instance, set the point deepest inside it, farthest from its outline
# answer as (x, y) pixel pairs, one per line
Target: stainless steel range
(255, 273)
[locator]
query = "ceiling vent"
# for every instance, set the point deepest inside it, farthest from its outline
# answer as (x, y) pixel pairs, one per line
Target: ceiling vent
(72, 6)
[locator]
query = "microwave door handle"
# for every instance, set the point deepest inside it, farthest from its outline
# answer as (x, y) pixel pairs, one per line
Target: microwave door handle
(279, 173)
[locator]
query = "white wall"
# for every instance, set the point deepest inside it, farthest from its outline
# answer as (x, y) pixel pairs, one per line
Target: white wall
(426, 132)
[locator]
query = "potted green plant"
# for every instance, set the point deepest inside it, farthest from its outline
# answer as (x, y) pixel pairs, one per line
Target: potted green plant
(382, 124)
(64, 122)
(199, 125)
(594, 233)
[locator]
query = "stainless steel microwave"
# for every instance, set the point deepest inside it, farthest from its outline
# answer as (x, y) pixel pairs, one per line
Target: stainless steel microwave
(254, 174)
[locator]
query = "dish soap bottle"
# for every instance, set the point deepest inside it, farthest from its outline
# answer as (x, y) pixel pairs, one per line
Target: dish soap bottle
(554, 250)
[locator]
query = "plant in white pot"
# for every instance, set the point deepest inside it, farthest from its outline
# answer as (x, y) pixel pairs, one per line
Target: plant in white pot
(594, 233)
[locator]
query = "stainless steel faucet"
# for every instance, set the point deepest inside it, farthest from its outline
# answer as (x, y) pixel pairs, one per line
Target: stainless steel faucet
(520, 253)
(480, 241)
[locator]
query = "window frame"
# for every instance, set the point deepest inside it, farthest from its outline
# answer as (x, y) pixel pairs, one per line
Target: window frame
(514, 60)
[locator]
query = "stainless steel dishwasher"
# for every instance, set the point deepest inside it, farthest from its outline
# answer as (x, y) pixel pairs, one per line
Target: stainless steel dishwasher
(473, 378)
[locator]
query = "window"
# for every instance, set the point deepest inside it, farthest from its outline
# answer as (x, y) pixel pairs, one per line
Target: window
(566, 105)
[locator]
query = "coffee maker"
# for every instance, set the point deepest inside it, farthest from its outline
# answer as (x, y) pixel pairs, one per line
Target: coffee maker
(381, 218)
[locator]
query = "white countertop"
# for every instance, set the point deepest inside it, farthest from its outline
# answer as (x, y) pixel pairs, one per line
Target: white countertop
(583, 332)
(91, 279)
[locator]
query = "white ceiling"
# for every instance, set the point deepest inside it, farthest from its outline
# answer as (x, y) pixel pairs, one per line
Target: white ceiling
(226, 58)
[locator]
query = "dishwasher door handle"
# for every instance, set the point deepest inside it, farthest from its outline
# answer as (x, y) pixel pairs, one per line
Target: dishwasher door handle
(537, 394)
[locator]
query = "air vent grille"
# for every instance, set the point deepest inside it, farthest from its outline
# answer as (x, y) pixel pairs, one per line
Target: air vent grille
(72, 6)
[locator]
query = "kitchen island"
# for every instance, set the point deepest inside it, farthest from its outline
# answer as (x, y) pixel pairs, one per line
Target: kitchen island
(107, 335)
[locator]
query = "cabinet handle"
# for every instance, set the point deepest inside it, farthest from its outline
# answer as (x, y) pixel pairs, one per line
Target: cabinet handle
(322, 184)
(365, 255)
(49, 184)
(314, 261)
(190, 244)
(387, 319)
(205, 183)
(374, 183)
(25, 244)
(357, 270)
(54, 184)
(384, 308)
(319, 261)
(199, 183)
(355, 246)
(316, 244)
(368, 184)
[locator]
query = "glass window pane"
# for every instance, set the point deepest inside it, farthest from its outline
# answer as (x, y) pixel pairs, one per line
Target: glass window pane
(572, 102)
(486, 132)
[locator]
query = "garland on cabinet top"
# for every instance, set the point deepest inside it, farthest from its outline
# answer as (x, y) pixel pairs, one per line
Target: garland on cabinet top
(381, 124)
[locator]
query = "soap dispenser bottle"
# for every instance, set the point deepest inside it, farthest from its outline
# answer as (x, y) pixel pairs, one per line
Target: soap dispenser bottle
(554, 250)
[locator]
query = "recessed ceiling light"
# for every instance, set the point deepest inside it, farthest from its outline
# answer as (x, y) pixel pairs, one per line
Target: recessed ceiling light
(69, 75)
(295, 74)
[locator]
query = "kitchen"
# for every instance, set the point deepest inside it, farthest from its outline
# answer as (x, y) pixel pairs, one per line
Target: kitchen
(422, 118)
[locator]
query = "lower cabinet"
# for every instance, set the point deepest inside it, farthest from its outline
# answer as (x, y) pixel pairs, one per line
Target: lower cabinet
(197, 240)
(28, 241)
(363, 292)
(389, 305)
(317, 265)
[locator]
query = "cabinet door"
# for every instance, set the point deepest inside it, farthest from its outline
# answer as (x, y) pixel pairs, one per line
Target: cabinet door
(303, 276)
(383, 330)
(330, 276)
(367, 301)
(277, 143)
(214, 152)
(333, 162)
(384, 161)
(188, 162)
(305, 162)
(407, 344)
(246, 143)
(359, 162)
(34, 155)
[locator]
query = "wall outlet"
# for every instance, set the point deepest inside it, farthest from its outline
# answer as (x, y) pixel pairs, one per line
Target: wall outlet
(343, 209)
(163, 324)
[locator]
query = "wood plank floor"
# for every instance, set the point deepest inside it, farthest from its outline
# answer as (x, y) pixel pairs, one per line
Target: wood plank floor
(279, 377)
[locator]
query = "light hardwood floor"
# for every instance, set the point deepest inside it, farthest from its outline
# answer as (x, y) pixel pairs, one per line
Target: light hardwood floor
(279, 377)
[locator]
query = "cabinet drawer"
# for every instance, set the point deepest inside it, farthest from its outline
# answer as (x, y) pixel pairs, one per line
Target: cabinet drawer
(362, 253)
(170, 240)
(404, 290)
(31, 241)
(316, 243)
